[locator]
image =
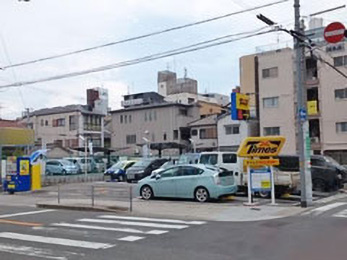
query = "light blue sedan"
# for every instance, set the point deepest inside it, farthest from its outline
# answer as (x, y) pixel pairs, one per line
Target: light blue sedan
(197, 182)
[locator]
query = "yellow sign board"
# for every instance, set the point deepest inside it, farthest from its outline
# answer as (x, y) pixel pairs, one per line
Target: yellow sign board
(242, 101)
(24, 167)
(312, 108)
(265, 146)
(11, 136)
(261, 162)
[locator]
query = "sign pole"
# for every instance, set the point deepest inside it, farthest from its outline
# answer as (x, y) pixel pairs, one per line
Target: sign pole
(249, 185)
(272, 186)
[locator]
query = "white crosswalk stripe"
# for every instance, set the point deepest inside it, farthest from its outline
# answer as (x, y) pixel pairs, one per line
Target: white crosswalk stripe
(321, 210)
(174, 221)
(130, 238)
(341, 214)
(131, 223)
(54, 240)
(128, 230)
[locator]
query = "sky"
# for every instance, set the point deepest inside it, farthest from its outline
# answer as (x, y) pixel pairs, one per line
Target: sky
(42, 28)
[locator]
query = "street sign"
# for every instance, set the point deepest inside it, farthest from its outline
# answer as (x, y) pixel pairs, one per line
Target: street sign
(303, 114)
(261, 146)
(334, 32)
(261, 162)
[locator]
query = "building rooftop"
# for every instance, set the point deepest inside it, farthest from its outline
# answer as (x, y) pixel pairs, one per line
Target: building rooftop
(150, 106)
(65, 109)
(11, 123)
(209, 120)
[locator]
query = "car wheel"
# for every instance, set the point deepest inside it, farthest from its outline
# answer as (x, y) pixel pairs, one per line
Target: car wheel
(121, 178)
(64, 172)
(146, 192)
(201, 194)
(264, 194)
(319, 185)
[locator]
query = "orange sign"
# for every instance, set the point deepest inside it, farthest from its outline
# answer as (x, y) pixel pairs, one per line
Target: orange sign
(265, 146)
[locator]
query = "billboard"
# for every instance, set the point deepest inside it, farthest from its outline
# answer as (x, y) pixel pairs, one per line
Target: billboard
(239, 106)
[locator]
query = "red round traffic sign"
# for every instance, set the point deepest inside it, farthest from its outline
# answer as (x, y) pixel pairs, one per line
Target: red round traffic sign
(334, 32)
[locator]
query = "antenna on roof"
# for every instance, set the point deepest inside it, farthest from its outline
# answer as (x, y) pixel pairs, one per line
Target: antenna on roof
(185, 72)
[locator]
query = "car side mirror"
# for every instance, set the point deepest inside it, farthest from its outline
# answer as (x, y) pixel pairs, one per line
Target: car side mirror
(157, 177)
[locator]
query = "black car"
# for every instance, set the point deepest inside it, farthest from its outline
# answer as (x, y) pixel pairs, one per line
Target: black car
(143, 168)
(326, 173)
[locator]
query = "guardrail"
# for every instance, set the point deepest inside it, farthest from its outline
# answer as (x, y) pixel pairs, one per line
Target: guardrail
(48, 180)
(106, 195)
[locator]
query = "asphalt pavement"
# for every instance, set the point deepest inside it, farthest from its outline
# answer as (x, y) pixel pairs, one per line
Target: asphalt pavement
(28, 233)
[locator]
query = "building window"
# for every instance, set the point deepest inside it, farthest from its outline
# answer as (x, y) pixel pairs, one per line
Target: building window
(175, 134)
(341, 127)
(92, 122)
(208, 133)
(46, 123)
(130, 119)
(155, 115)
(58, 122)
(340, 61)
(341, 93)
(164, 137)
(121, 119)
(41, 122)
(125, 119)
(232, 129)
(270, 102)
(131, 139)
(270, 73)
(72, 123)
(194, 132)
(183, 112)
(271, 131)
(150, 115)
(146, 117)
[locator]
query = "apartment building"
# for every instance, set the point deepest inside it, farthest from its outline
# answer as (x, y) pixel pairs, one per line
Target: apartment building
(204, 134)
(62, 126)
(271, 77)
(151, 120)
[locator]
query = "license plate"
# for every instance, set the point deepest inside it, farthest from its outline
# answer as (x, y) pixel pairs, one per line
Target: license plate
(11, 186)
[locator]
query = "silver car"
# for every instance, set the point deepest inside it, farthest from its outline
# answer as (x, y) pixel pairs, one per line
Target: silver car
(60, 167)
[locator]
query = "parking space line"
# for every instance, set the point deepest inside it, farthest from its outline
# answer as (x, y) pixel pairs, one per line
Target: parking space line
(174, 221)
(26, 213)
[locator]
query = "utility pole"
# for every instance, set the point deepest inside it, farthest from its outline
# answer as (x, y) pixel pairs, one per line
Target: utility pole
(302, 124)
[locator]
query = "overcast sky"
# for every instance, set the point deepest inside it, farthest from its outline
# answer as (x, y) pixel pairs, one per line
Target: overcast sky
(41, 28)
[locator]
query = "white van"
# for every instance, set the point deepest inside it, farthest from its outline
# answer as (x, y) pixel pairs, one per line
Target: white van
(227, 160)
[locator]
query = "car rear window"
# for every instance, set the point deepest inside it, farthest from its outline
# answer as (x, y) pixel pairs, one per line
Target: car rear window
(209, 159)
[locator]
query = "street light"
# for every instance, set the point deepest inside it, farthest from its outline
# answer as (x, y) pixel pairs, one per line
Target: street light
(147, 145)
(84, 139)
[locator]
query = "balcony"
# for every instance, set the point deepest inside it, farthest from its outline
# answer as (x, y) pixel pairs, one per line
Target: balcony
(94, 128)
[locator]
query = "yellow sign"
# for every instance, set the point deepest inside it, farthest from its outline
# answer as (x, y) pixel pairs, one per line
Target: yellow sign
(266, 184)
(261, 162)
(261, 146)
(24, 168)
(312, 108)
(16, 136)
(242, 101)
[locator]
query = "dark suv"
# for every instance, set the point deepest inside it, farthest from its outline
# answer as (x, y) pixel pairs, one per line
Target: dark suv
(326, 173)
(143, 168)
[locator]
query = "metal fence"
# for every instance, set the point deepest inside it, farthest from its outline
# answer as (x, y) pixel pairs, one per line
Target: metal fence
(107, 195)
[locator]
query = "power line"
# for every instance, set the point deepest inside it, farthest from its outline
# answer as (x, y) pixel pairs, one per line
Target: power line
(182, 50)
(145, 35)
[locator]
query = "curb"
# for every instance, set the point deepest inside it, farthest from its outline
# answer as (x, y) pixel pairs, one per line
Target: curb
(115, 209)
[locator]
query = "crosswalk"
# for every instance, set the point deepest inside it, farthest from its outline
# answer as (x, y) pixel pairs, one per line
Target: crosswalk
(57, 240)
(330, 210)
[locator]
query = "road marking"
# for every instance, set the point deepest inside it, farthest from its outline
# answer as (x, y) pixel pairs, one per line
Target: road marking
(54, 240)
(128, 230)
(341, 214)
(26, 213)
(174, 221)
(321, 210)
(20, 223)
(143, 224)
(30, 251)
(130, 238)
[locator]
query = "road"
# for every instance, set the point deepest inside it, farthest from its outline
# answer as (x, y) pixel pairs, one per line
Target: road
(30, 233)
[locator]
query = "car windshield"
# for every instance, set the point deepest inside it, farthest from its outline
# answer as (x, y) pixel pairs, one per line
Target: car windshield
(66, 162)
(142, 163)
(332, 161)
(208, 159)
(118, 165)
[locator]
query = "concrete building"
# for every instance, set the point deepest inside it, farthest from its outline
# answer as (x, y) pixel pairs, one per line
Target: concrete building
(157, 122)
(204, 134)
(232, 132)
(274, 85)
(62, 126)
